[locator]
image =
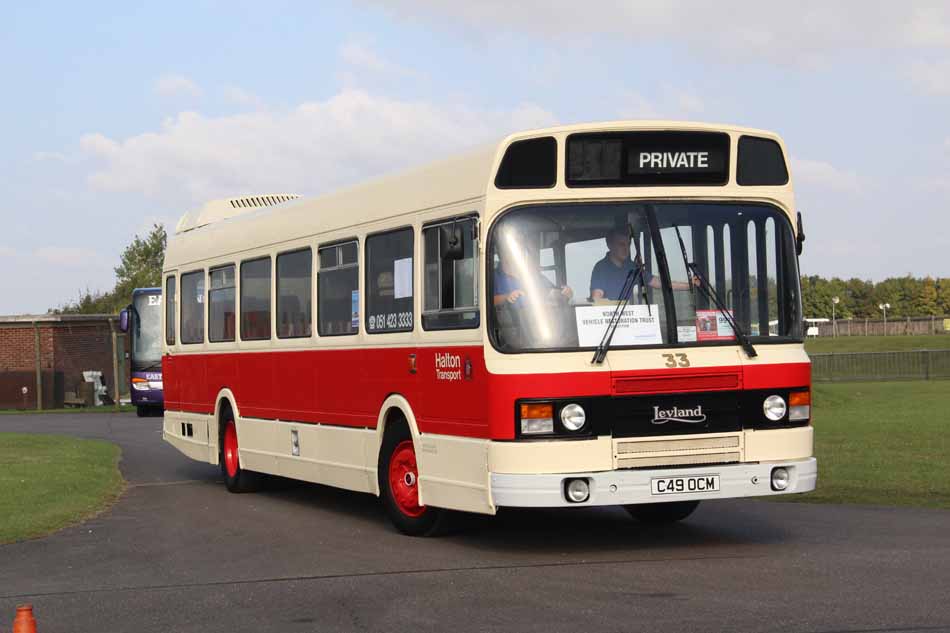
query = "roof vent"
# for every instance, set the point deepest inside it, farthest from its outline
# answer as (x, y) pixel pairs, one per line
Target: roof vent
(218, 210)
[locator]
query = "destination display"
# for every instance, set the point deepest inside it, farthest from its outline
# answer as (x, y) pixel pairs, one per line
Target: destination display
(647, 158)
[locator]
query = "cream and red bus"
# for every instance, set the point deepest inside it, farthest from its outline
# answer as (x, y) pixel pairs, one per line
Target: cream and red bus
(589, 315)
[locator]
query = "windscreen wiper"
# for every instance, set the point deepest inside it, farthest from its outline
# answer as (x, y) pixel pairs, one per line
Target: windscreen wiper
(636, 274)
(712, 295)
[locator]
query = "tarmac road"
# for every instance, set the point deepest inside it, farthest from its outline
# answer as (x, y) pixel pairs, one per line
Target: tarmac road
(178, 553)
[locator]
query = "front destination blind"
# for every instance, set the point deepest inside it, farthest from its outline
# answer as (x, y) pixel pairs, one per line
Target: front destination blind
(647, 158)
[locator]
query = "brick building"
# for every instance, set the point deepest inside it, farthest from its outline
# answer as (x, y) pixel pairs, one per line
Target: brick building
(47, 354)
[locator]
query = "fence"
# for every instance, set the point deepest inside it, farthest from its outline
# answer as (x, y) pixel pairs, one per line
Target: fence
(893, 327)
(914, 365)
(43, 357)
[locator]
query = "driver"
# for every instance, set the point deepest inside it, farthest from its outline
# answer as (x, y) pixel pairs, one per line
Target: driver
(518, 274)
(610, 273)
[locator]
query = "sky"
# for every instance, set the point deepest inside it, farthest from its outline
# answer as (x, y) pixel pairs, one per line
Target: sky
(118, 116)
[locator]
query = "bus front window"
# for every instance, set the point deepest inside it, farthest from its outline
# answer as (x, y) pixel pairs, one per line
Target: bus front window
(558, 272)
(146, 333)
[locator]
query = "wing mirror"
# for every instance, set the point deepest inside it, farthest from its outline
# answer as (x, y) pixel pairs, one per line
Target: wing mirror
(124, 320)
(451, 243)
(800, 238)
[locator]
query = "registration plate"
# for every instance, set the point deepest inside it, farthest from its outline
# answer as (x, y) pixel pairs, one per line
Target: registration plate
(684, 485)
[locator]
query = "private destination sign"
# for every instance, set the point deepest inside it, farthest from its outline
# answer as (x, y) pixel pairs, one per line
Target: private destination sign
(647, 158)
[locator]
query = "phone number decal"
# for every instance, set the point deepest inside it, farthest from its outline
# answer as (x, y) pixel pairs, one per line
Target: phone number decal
(390, 321)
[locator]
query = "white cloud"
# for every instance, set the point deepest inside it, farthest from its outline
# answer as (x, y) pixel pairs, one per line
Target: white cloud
(175, 86)
(940, 184)
(362, 57)
(314, 147)
(931, 78)
(670, 103)
(791, 33)
(242, 97)
(929, 26)
(68, 256)
(825, 175)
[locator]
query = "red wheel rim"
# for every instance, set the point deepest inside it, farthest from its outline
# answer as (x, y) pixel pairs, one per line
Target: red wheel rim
(231, 463)
(404, 479)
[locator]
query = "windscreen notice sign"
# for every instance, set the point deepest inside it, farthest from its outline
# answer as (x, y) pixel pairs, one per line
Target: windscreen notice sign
(712, 325)
(638, 325)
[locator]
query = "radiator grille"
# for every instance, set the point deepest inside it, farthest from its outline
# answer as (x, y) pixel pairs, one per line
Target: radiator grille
(638, 453)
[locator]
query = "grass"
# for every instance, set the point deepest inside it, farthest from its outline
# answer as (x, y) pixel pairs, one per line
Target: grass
(48, 482)
(124, 408)
(882, 443)
(876, 343)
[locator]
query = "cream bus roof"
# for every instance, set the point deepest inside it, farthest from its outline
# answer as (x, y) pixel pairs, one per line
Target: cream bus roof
(205, 234)
(228, 208)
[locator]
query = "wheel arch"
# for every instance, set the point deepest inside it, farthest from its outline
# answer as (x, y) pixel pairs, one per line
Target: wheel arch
(395, 407)
(224, 401)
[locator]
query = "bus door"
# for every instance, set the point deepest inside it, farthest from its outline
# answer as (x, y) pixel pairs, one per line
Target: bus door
(169, 323)
(451, 365)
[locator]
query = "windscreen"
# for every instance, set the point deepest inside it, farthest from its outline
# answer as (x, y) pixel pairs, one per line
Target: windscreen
(146, 332)
(558, 273)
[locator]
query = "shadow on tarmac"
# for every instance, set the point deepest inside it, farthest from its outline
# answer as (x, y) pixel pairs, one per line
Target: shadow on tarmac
(593, 530)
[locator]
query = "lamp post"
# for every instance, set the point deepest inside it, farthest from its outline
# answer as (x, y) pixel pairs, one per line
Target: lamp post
(834, 323)
(884, 307)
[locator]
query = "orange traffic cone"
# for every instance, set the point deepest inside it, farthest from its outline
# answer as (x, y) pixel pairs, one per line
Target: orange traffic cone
(24, 621)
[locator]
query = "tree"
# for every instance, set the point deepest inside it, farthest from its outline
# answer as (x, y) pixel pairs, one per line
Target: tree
(927, 298)
(140, 266)
(141, 263)
(943, 296)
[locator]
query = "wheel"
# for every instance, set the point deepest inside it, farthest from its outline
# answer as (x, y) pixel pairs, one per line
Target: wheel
(141, 411)
(398, 475)
(236, 478)
(660, 513)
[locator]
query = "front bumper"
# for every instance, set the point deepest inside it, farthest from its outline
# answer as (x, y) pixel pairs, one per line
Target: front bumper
(622, 487)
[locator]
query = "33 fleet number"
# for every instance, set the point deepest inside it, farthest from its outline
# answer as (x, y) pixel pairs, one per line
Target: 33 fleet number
(676, 360)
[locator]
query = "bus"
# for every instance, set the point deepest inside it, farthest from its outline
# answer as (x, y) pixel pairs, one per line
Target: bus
(588, 315)
(142, 320)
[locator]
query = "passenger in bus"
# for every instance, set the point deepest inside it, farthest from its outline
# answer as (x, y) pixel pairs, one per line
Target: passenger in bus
(518, 274)
(610, 273)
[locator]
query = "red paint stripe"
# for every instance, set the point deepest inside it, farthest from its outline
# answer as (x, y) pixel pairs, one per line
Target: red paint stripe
(348, 387)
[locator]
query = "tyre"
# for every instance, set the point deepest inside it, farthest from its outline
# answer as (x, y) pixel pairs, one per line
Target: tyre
(398, 475)
(660, 513)
(141, 411)
(236, 479)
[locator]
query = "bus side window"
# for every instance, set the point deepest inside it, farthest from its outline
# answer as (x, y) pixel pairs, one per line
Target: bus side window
(294, 278)
(170, 310)
(192, 304)
(221, 305)
(450, 277)
(389, 292)
(255, 299)
(338, 309)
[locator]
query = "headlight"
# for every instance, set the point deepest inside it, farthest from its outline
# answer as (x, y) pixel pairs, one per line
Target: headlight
(774, 408)
(577, 490)
(780, 478)
(140, 386)
(573, 417)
